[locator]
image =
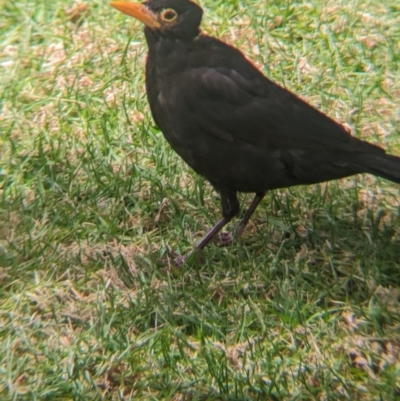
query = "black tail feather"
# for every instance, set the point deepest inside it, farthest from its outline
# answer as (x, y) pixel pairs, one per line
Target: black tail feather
(382, 165)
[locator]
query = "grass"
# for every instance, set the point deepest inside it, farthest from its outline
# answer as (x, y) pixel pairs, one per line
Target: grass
(92, 199)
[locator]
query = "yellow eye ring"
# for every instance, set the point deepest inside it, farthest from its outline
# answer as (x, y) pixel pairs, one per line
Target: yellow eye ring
(169, 15)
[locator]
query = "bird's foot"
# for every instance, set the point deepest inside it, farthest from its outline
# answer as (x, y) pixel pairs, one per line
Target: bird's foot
(227, 238)
(172, 261)
(224, 239)
(176, 261)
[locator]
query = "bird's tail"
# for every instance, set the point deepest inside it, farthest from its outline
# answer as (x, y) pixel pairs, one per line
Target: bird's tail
(382, 165)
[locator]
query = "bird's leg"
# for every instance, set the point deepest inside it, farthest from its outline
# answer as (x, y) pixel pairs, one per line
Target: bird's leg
(179, 260)
(213, 232)
(243, 223)
(230, 208)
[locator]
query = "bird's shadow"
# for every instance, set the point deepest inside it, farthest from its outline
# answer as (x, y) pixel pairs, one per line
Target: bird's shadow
(327, 246)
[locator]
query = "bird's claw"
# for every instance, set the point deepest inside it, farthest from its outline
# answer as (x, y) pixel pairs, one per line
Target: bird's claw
(224, 238)
(176, 261)
(227, 238)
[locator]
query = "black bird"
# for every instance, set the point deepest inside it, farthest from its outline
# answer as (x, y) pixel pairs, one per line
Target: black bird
(231, 124)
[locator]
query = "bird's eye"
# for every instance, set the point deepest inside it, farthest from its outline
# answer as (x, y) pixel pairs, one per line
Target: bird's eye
(169, 15)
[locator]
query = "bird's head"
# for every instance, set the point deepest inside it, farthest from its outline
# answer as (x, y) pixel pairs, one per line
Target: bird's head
(172, 18)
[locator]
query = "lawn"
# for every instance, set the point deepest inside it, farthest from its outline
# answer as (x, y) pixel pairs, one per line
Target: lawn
(94, 203)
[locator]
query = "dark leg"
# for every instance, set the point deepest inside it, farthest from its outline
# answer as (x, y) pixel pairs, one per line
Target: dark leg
(179, 260)
(243, 223)
(230, 208)
(212, 233)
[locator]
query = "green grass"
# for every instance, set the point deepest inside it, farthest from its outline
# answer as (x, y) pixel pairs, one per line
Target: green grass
(93, 199)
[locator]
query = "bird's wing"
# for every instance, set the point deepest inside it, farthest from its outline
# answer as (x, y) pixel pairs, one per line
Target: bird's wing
(249, 108)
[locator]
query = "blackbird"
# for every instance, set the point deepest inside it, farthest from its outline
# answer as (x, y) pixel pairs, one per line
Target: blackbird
(231, 124)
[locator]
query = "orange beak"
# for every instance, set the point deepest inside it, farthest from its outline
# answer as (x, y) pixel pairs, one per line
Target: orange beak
(138, 11)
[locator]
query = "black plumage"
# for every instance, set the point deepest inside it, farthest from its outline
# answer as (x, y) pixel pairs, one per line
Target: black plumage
(231, 124)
